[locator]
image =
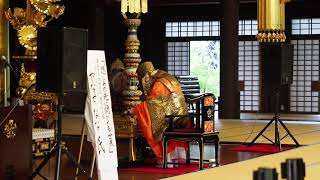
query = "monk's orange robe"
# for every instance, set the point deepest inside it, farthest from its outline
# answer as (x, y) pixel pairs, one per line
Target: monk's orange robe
(144, 120)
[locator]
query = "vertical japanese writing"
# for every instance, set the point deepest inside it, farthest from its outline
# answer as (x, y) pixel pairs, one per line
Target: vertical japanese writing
(102, 117)
(101, 100)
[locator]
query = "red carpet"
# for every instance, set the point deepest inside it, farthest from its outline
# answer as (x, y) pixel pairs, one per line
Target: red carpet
(180, 169)
(266, 148)
(176, 170)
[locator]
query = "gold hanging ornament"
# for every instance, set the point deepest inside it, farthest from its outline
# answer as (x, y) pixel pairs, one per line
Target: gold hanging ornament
(271, 21)
(46, 7)
(27, 36)
(37, 14)
(134, 8)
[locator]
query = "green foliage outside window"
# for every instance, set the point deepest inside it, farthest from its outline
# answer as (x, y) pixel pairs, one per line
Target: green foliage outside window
(205, 64)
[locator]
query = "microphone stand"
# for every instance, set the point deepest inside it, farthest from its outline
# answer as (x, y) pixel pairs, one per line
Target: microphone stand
(5, 95)
(58, 149)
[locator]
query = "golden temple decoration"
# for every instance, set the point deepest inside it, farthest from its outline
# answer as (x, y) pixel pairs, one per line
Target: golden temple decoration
(27, 36)
(10, 129)
(131, 10)
(134, 6)
(125, 124)
(27, 79)
(37, 14)
(271, 21)
(46, 7)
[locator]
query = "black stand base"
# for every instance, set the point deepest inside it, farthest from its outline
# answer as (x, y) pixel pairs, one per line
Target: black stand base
(277, 141)
(276, 120)
(58, 149)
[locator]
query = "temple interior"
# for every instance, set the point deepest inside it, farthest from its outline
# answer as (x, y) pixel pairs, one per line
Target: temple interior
(155, 89)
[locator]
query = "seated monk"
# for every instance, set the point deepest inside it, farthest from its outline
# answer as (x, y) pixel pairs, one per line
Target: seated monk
(163, 96)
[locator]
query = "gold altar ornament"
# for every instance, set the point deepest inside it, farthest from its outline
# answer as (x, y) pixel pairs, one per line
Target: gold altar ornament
(10, 129)
(37, 14)
(27, 36)
(271, 21)
(46, 7)
(131, 11)
(27, 79)
(134, 7)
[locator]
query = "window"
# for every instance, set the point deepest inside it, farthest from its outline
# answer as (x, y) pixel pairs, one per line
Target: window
(178, 58)
(248, 27)
(249, 73)
(305, 65)
(205, 64)
(305, 70)
(179, 53)
(192, 29)
(305, 26)
(248, 69)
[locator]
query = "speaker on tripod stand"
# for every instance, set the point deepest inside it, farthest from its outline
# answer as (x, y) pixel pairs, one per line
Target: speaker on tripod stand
(61, 69)
(276, 73)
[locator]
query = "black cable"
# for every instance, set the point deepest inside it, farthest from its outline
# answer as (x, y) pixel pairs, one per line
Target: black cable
(16, 104)
(251, 132)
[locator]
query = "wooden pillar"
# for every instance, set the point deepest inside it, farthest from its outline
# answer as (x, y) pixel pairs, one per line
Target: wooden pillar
(4, 51)
(229, 100)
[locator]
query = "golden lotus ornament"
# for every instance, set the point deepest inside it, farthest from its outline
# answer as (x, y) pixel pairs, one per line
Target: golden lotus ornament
(26, 21)
(47, 7)
(27, 36)
(10, 129)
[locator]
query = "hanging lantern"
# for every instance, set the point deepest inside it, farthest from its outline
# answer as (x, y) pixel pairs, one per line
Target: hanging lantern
(271, 21)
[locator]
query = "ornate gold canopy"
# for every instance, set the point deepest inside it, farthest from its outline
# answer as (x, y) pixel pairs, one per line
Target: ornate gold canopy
(37, 14)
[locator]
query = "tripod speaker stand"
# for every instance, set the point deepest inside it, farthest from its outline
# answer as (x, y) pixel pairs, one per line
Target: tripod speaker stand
(277, 121)
(61, 68)
(58, 149)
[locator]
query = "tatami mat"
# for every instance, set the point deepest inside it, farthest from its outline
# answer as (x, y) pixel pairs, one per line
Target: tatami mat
(244, 169)
(244, 131)
(236, 130)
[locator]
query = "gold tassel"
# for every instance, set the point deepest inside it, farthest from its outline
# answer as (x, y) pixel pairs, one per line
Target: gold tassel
(124, 6)
(137, 6)
(144, 6)
(131, 6)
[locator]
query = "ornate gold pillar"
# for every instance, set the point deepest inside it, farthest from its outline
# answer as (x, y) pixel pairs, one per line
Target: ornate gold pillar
(4, 51)
(132, 59)
(271, 20)
(131, 11)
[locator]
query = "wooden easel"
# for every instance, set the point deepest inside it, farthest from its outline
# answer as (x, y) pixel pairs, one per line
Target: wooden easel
(80, 152)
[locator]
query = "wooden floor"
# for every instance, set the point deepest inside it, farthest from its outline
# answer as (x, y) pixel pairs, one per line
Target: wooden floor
(244, 170)
(306, 129)
(68, 170)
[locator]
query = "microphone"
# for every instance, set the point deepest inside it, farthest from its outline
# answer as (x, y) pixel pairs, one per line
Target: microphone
(3, 58)
(7, 64)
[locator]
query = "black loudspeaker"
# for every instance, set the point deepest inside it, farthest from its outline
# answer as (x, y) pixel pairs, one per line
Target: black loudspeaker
(293, 169)
(277, 63)
(265, 174)
(62, 60)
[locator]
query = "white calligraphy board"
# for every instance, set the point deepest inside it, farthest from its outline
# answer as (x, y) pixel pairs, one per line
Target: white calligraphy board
(99, 115)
